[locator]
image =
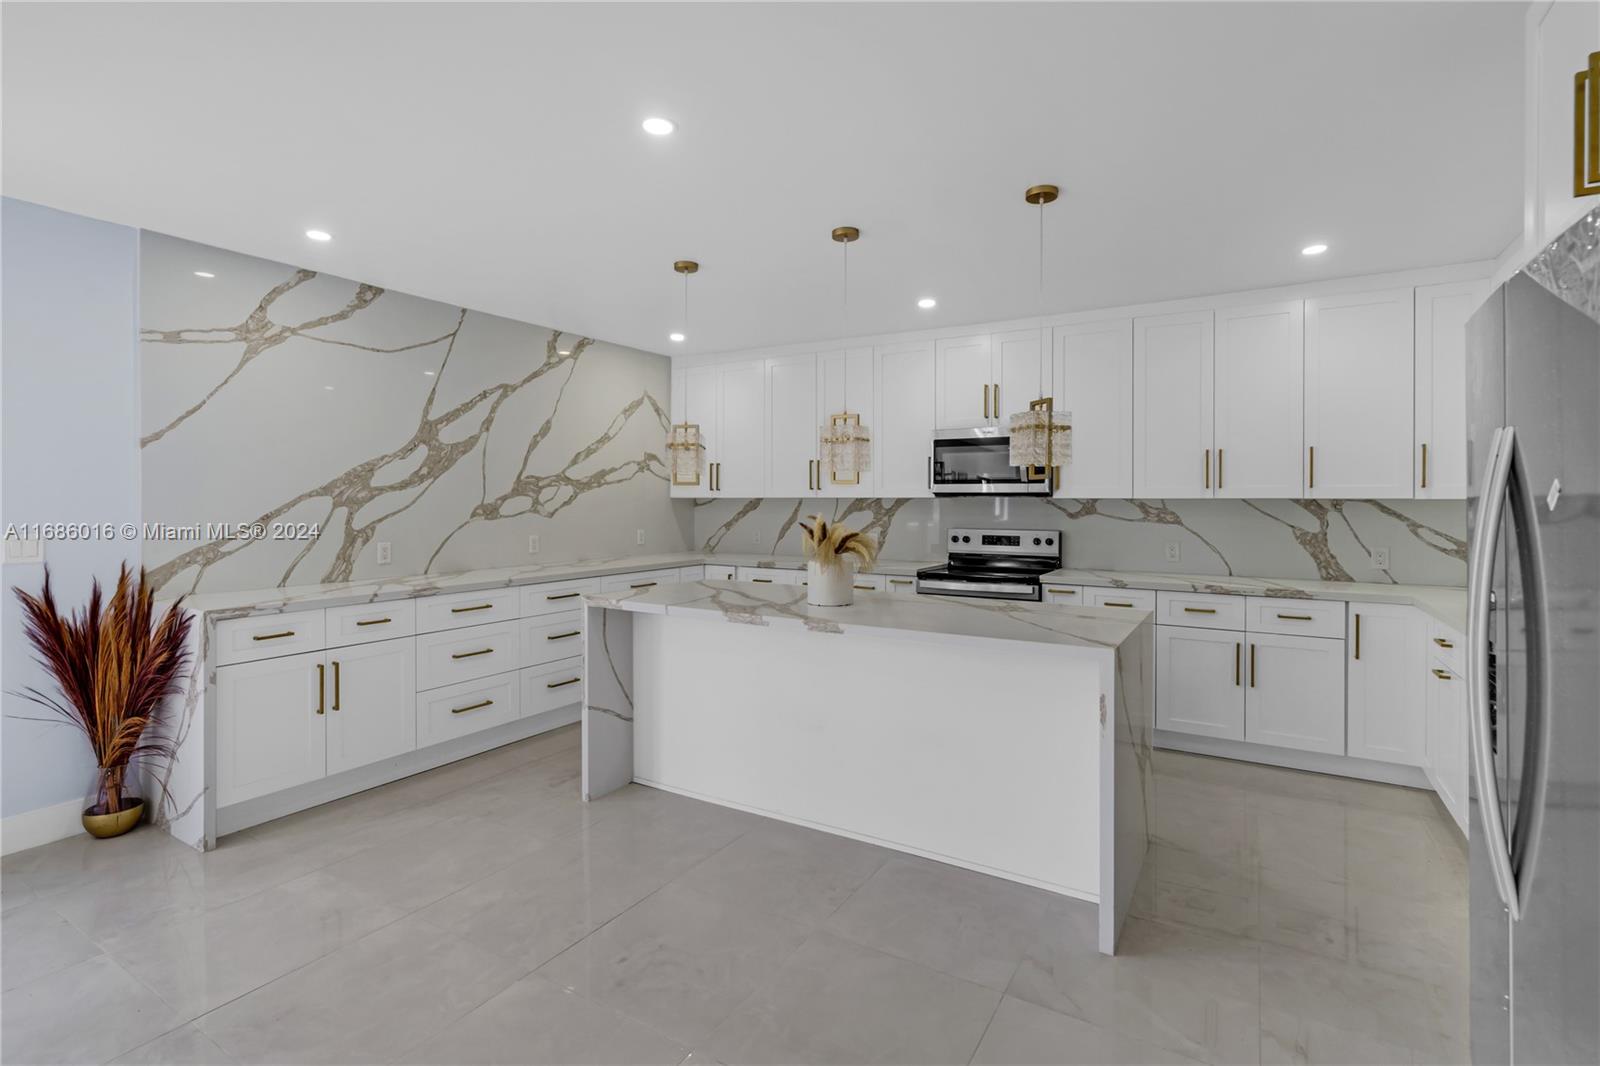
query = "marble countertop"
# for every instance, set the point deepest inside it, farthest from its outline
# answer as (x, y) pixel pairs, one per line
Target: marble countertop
(744, 603)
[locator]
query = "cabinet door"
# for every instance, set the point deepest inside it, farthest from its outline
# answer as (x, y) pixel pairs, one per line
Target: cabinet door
(844, 386)
(1358, 396)
(1172, 381)
(1566, 33)
(1022, 372)
(1441, 381)
(792, 425)
(741, 447)
(271, 726)
(372, 703)
(1294, 696)
(1260, 379)
(694, 400)
(1385, 711)
(1447, 738)
(903, 438)
(1200, 681)
(966, 381)
(1094, 384)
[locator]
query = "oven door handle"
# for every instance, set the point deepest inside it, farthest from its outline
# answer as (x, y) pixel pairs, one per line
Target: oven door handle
(1009, 588)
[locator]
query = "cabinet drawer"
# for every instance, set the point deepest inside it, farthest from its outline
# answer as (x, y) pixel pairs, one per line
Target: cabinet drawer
(243, 640)
(868, 582)
(1065, 595)
(553, 685)
(719, 572)
(638, 581)
(691, 573)
(461, 655)
(552, 637)
(1448, 646)
(769, 575)
(461, 609)
(363, 623)
(1200, 609)
(1303, 618)
(556, 596)
(900, 586)
(447, 713)
(1136, 599)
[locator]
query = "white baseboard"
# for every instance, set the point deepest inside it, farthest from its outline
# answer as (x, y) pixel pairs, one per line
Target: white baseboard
(43, 826)
(1336, 765)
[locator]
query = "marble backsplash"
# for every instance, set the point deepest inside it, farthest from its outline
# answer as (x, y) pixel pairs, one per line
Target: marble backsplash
(1331, 540)
(357, 416)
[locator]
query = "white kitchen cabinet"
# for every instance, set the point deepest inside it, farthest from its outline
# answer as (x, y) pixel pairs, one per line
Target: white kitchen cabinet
(896, 585)
(965, 381)
(868, 582)
(845, 385)
(550, 637)
(1441, 381)
(469, 707)
(1260, 378)
(271, 725)
(1064, 595)
(793, 420)
(1294, 692)
(691, 573)
(721, 572)
(1126, 599)
(551, 686)
(1022, 371)
(1093, 382)
(638, 580)
(1358, 395)
(1200, 682)
(768, 575)
(1385, 701)
(372, 703)
(268, 636)
(362, 623)
(1564, 34)
(1446, 703)
(740, 450)
(903, 437)
(1172, 412)
(459, 655)
(695, 401)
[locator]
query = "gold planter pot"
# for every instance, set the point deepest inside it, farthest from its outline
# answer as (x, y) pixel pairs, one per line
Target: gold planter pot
(114, 825)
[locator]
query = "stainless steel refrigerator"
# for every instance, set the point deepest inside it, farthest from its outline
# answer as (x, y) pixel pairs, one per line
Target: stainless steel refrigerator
(1533, 425)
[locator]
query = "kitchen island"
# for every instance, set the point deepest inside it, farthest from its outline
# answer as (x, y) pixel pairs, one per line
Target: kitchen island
(1009, 738)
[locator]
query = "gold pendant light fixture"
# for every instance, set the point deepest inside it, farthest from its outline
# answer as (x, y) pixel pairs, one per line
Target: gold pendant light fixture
(846, 443)
(1041, 436)
(686, 450)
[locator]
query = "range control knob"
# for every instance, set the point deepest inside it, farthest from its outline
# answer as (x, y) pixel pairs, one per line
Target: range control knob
(954, 538)
(1049, 541)
(1035, 542)
(966, 540)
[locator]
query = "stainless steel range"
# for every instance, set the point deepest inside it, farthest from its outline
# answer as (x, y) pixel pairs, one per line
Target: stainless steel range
(999, 564)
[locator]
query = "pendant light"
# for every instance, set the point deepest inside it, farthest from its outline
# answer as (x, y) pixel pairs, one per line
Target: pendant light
(1041, 436)
(846, 443)
(685, 448)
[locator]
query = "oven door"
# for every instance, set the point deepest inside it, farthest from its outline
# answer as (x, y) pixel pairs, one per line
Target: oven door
(977, 462)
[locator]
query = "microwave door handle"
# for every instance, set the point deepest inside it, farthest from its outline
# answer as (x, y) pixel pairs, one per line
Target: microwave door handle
(1480, 571)
(1531, 800)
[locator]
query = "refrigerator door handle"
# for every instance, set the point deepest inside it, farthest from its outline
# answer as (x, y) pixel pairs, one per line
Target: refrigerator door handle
(1480, 572)
(1529, 828)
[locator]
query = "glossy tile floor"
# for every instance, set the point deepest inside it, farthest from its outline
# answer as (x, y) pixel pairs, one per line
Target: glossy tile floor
(480, 913)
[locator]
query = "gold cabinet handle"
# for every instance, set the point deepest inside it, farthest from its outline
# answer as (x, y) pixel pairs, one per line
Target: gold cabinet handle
(1236, 651)
(986, 401)
(1586, 178)
(1206, 467)
(336, 684)
(1062, 592)
(864, 588)
(1115, 603)
(322, 687)
(562, 595)
(1442, 642)
(1295, 617)
(1200, 610)
(374, 621)
(997, 400)
(470, 654)
(899, 581)
(1442, 675)
(559, 684)
(472, 707)
(475, 607)
(1311, 473)
(1252, 666)
(1219, 468)
(561, 636)
(643, 585)
(273, 636)
(761, 581)
(1424, 466)
(1358, 636)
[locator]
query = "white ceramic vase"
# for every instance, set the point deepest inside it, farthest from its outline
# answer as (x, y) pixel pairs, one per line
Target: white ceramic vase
(832, 586)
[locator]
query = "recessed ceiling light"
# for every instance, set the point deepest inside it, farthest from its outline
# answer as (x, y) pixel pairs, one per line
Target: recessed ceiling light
(204, 274)
(563, 351)
(328, 387)
(319, 235)
(675, 338)
(659, 127)
(1314, 249)
(927, 303)
(428, 373)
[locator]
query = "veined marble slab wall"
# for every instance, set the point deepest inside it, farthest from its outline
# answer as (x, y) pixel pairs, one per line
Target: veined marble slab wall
(279, 395)
(1331, 540)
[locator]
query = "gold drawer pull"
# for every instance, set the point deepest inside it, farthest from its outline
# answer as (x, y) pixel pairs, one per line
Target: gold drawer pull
(864, 588)
(472, 707)
(568, 681)
(464, 610)
(642, 585)
(273, 636)
(1115, 603)
(1062, 592)
(761, 581)
(1442, 642)
(1296, 617)
(560, 636)
(1201, 610)
(562, 595)
(899, 581)
(322, 688)
(374, 621)
(1442, 675)
(470, 654)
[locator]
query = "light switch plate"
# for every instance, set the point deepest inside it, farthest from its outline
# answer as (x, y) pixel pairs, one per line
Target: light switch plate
(638, 536)
(385, 553)
(533, 544)
(24, 551)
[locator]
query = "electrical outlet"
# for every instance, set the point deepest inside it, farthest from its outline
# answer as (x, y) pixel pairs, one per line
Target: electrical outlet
(1174, 551)
(755, 537)
(533, 544)
(638, 536)
(385, 553)
(1380, 558)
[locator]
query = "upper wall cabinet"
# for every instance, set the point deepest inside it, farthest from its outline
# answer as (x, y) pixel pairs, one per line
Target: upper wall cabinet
(1441, 380)
(1022, 371)
(728, 402)
(1094, 382)
(792, 420)
(1260, 378)
(844, 386)
(1358, 396)
(966, 382)
(1172, 381)
(903, 438)
(1564, 34)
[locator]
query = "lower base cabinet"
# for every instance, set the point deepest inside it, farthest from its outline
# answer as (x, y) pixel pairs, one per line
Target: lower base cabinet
(272, 725)
(1199, 682)
(457, 710)
(1446, 704)
(372, 703)
(553, 685)
(1294, 697)
(1387, 716)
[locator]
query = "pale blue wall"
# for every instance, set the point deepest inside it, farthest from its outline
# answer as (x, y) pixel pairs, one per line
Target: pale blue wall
(69, 450)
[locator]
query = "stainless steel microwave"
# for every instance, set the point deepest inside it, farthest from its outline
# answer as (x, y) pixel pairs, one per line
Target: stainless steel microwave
(977, 462)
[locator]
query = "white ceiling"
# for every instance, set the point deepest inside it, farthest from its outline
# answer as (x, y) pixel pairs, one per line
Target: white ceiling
(491, 156)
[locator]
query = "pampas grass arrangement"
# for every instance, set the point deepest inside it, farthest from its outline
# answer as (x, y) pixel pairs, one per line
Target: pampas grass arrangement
(829, 546)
